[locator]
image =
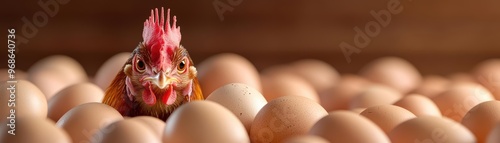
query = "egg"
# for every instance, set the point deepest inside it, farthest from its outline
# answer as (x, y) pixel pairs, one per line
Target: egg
(432, 85)
(374, 95)
(319, 74)
(339, 96)
(21, 99)
(348, 127)
(285, 117)
(461, 77)
(72, 96)
(18, 74)
(419, 105)
(387, 116)
(460, 98)
(482, 118)
(54, 73)
(32, 130)
(432, 129)
(204, 121)
(154, 124)
(226, 68)
(109, 69)
(494, 135)
(278, 85)
(306, 139)
(393, 72)
(242, 100)
(488, 74)
(85, 120)
(126, 131)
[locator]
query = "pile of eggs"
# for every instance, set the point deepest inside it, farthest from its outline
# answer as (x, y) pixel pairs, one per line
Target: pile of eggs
(306, 101)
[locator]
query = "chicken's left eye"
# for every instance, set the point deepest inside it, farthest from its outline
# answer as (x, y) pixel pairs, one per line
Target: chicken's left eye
(182, 66)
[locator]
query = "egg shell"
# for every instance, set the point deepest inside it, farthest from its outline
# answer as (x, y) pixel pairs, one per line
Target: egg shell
(348, 127)
(461, 77)
(432, 85)
(319, 74)
(33, 130)
(126, 131)
(85, 120)
(431, 129)
(18, 75)
(339, 96)
(306, 139)
(110, 68)
(154, 124)
(460, 98)
(53, 73)
(374, 95)
(285, 117)
(204, 121)
(482, 118)
(419, 105)
(72, 96)
(494, 135)
(488, 74)
(394, 72)
(279, 85)
(242, 100)
(226, 68)
(387, 116)
(26, 101)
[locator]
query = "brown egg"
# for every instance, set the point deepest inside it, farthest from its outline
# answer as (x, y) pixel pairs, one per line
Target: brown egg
(374, 95)
(357, 110)
(21, 99)
(432, 85)
(126, 131)
(319, 74)
(394, 72)
(460, 98)
(488, 74)
(387, 116)
(285, 117)
(431, 129)
(346, 127)
(154, 124)
(72, 96)
(461, 77)
(242, 100)
(306, 139)
(18, 74)
(85, 120)
(204, 121)
(278, 85)
(482, 118)
(494, 136)
(226, 68)
(32, 130)
(339, 96)
(54, 73)
(419, 105)
(109, 69)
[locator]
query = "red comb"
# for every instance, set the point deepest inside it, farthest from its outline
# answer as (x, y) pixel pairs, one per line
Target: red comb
(161, 39)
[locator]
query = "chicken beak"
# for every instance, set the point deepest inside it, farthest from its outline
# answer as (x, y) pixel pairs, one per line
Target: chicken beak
(161, 80)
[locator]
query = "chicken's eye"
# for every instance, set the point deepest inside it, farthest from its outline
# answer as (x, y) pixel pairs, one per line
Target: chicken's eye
(140, 65)
(182, 66)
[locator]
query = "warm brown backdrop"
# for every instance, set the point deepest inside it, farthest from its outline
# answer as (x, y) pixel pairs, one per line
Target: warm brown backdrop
(441, 36)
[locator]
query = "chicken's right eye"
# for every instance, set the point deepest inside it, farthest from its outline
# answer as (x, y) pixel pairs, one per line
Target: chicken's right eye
(140, 65)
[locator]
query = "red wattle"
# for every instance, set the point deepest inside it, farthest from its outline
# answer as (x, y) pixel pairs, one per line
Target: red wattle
(169, 96)
(148, 95)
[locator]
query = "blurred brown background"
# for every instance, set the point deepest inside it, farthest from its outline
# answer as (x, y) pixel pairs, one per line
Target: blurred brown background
(440, 37)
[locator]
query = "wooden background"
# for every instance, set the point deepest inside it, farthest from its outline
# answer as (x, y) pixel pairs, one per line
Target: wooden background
(440, 37)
